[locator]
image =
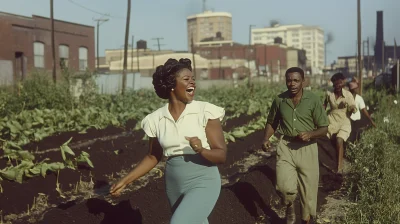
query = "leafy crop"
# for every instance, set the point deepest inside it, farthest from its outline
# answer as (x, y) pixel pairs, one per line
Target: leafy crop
(25, 167)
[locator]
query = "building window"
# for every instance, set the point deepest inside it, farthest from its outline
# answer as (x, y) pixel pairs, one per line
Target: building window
(63, 54)
(83, 56)
(38, 52)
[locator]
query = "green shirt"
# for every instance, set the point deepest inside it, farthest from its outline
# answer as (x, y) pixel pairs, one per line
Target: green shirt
(291, 120)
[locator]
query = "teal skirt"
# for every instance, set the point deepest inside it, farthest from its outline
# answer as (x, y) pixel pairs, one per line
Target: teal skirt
(193, 185)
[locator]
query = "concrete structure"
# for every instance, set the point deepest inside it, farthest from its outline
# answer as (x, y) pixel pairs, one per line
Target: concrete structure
(118, 55)
(348, 65)
(213, 62)
(296, 58)
(25, 44)
(209, 27)
(264, 59)
(309, 38)
(148, 64)
(380, 43)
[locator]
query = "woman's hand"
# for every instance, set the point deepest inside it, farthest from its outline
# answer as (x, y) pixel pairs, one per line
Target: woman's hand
(117, 188)
(195, 143)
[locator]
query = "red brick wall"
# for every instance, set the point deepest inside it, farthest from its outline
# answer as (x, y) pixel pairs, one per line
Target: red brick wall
(18, 34)
(262, 54)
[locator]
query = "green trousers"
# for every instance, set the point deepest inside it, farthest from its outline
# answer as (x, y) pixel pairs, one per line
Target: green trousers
(297, 168)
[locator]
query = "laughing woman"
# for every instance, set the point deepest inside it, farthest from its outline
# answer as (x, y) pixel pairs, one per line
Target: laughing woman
(190, 134)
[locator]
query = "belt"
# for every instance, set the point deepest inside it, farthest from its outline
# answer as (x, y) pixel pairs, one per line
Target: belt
(290, 138)
(295, 139)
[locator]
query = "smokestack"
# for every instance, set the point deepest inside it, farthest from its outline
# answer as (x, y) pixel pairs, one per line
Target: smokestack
(379, 44)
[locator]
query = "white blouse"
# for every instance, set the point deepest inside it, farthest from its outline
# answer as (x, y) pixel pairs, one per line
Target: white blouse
(191, 123)
(360, 104)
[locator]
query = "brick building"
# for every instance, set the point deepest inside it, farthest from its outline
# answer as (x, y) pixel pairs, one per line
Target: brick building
(266, 59)
(25, 44)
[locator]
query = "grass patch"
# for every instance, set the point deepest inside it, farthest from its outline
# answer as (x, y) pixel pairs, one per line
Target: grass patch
(373, 182)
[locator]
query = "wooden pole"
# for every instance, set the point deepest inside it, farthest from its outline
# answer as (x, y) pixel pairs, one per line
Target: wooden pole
(137, 57)
(248, 56)
(193, 55)
(128, 16)
(383, 56)
(97, 44)
(133, 43)
(398, 75)
(368, 66)
(53, 48)
(359, 46)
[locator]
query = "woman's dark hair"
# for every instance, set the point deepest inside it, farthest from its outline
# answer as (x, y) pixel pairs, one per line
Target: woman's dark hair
(164, 76)
(337, 76)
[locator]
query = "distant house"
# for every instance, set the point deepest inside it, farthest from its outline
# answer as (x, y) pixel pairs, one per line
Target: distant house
(25, 44)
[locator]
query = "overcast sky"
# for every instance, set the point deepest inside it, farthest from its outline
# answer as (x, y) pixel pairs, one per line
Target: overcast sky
(167, 19)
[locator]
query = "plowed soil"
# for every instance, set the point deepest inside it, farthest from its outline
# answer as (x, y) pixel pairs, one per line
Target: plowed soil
(246, 197)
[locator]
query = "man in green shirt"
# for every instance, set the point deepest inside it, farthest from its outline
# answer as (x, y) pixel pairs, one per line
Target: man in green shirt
(300, 118)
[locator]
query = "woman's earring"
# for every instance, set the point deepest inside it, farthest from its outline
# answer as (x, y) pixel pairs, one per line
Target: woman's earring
(172, 89)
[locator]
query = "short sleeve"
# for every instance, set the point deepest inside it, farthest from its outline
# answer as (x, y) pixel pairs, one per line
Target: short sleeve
(319, 114)
(149, 127)
(212, 112)
(273, 118)
(361, 103)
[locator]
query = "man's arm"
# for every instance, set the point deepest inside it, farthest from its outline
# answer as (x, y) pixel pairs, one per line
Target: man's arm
(325, 104)
(319, 132)
(364, 110)
(271, 125)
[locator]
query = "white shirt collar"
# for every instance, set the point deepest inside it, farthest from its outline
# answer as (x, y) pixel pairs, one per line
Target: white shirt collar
(191, 108)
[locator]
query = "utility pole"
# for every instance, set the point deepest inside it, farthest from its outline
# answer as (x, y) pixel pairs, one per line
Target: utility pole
(193, 55)
(99, 22)
(395, 50)
(398, 75)
(158, 42)
(133, 38)
(359, 45)
(383, 56)
(53, 48)
(128, 16)
(154, 62)
(220, 58)
(248, 56)
(368, 62)
(137, 58)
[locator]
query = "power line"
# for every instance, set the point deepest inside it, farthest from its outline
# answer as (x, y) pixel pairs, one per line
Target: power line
(158, 42)
(94, 11)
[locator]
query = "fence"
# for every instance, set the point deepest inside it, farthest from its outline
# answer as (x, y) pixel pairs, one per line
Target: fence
(112, 83)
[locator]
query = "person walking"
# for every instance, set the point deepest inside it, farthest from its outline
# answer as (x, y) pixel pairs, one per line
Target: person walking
(342, 105)
(190, 134)
(299, 117)
(356, 123)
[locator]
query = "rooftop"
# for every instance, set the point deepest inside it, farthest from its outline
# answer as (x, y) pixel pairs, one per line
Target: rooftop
(284, 27)
(210, 14)
(42, 17)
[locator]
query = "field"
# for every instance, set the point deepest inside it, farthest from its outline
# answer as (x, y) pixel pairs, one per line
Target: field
(61, 154)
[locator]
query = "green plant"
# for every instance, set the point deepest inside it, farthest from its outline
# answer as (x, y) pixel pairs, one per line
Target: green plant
(373, 181)
(73, 163)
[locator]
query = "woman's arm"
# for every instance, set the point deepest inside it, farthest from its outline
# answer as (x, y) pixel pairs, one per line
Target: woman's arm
(215, 137)
(148, 162)
(364, 110)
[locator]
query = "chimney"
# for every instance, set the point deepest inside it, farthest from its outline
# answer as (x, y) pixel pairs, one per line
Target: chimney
(379, 44)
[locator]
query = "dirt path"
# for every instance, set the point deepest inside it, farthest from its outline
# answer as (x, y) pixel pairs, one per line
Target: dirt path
(248, 196)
